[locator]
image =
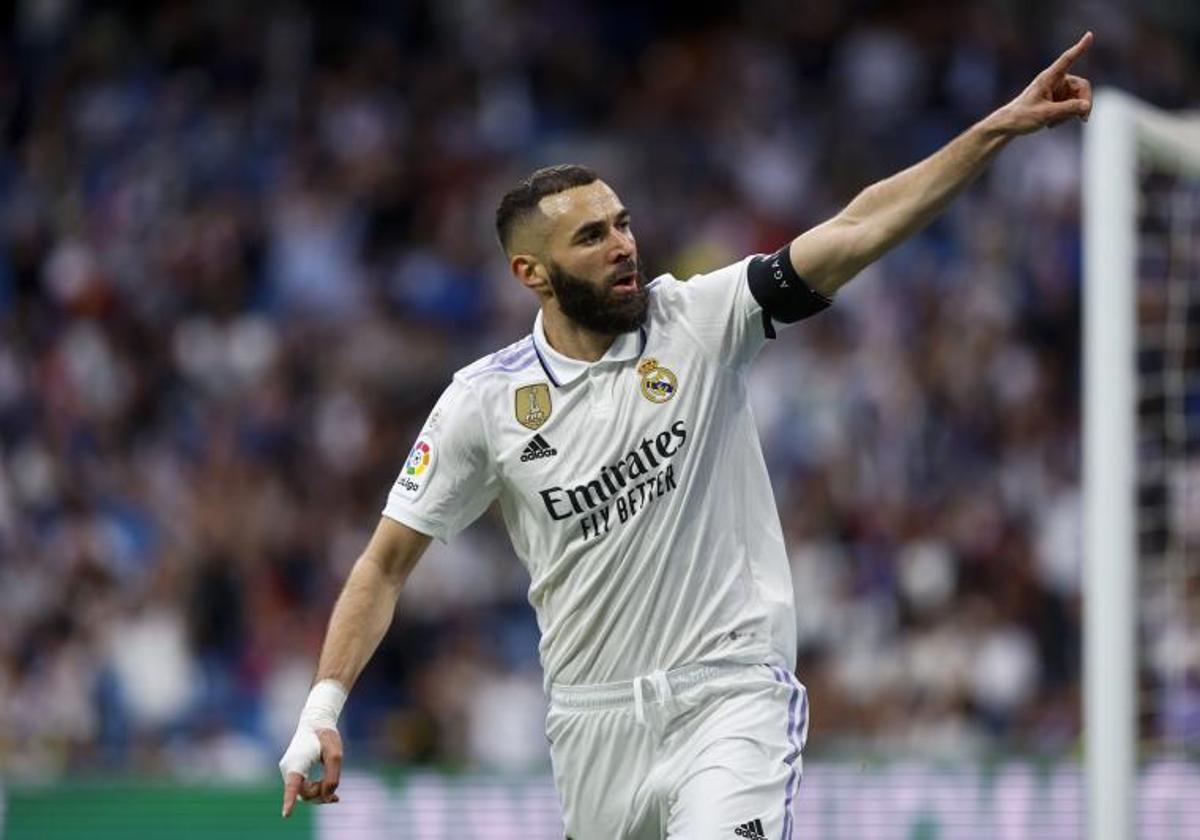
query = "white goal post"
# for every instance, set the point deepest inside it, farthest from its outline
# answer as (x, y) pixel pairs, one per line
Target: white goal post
(1121, 135)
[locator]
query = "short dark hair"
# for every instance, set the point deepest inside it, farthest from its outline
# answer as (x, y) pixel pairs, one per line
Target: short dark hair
(524, 197)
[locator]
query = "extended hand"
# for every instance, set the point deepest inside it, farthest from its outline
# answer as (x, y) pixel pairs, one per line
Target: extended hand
(1053, 96)
(307, 747)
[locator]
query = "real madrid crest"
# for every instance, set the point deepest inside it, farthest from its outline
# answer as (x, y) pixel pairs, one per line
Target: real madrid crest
(658, 383)
(533, 405)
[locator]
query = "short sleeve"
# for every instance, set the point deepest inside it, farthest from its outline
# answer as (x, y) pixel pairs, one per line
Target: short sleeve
(722, 314)
(449, 477)
(725, 308)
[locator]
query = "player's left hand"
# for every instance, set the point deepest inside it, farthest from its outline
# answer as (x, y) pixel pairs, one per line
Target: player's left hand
(1053, 96)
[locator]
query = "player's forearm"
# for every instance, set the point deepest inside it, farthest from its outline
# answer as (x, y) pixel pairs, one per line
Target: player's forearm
(361, 616)
(894, 209)
(889, 211)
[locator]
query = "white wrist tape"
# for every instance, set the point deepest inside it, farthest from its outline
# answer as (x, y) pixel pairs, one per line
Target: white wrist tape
(321, 711)
(324, 705)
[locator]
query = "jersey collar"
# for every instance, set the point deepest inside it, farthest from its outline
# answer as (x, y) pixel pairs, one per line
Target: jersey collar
(563, 370)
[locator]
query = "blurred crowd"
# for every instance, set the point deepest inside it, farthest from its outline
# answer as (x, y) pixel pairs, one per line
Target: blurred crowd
(243, 247)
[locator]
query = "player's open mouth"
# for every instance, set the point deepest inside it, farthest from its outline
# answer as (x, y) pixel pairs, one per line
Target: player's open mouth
(626, 282)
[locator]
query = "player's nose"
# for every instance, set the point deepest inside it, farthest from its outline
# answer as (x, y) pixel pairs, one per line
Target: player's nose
(623, 248)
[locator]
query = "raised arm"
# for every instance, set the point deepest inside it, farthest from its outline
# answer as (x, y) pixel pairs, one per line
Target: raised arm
(360, 617)
(888, 212)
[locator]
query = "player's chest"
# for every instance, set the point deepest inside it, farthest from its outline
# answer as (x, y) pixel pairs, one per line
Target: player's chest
(630, 412)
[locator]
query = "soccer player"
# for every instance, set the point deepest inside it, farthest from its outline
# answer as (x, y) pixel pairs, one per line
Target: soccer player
(619, 443)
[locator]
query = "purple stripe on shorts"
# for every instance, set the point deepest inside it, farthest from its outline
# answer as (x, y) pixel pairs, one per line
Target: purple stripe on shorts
(793, 731)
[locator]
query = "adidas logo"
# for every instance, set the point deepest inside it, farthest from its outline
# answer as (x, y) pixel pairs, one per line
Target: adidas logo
(538, 448)
(752, 830)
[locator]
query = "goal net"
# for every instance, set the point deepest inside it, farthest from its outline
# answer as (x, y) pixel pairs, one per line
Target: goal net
(1141, 467)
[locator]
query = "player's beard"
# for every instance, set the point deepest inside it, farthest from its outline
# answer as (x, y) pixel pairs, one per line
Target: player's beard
(600, 308)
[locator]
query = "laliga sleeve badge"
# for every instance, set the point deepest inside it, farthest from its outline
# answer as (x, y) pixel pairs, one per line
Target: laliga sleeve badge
(414, 475)
(658, 383)
(532, 405)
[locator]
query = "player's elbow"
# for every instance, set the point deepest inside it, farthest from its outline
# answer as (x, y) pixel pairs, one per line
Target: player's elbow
(842, 247)
(393, 552)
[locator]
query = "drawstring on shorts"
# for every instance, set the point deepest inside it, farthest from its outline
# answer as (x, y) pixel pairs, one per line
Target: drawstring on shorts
(662, 692)
(666, 685)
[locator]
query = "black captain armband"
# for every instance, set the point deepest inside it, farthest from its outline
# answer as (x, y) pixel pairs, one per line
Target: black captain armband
(780, 291)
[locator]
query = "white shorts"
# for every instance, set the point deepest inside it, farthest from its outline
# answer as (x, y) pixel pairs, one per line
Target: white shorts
(705, 752)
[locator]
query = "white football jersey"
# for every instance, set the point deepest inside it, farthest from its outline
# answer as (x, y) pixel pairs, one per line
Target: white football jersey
(633, 488)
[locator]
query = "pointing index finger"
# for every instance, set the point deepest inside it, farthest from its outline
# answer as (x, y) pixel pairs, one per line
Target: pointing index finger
(291, 789)
(1065, 60)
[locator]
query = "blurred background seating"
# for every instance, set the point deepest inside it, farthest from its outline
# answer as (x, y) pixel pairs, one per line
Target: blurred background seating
(243, 247)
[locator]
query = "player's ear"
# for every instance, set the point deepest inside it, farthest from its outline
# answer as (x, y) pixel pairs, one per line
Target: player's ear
(531, 272)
